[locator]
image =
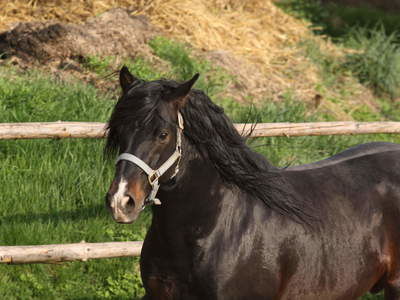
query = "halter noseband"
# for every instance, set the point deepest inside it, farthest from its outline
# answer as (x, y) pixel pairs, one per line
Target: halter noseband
(154, 175)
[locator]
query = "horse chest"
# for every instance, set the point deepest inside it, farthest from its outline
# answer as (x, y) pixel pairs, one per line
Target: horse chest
(171, 268)
(173, 279)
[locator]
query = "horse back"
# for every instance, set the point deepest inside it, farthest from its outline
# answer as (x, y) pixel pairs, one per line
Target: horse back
(356, 195)
(349, 154)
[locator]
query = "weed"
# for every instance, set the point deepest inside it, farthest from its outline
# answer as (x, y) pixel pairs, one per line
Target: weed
(143, 69)
(99, 65)
(377, 61)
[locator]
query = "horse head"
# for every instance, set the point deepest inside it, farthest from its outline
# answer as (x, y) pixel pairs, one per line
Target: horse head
(145, 129)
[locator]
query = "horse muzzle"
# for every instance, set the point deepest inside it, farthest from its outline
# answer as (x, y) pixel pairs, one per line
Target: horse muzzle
(124, 205)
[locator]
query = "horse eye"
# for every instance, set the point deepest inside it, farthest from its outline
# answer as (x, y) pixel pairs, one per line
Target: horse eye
(163, 135)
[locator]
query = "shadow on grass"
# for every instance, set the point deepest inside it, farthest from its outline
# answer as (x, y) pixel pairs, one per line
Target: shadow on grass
(93, 211)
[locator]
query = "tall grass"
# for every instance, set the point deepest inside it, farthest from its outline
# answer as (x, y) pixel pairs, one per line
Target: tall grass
(376, 62)
(374, 34)
(372, 57)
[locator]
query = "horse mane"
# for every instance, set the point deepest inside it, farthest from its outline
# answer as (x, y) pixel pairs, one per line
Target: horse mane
(213, 135)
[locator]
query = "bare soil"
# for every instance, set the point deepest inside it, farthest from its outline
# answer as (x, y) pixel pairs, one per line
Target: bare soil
(63, 47)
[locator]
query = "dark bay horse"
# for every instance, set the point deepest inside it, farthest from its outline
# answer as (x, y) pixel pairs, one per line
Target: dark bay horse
(228, 225)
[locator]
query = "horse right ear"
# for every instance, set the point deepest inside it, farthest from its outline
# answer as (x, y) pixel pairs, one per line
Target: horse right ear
(126, 79)
(179, 94)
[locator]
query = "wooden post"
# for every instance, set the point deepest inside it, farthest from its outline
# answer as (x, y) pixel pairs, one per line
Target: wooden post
(67, 252)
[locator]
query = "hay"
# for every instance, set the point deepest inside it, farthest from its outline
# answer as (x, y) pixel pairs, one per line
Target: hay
(257, 30)
(260, 41)
(70, 11)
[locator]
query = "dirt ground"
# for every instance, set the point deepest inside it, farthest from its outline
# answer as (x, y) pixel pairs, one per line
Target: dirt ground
(62, 48)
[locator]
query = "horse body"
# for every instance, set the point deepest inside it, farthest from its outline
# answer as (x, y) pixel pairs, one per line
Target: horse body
(232, 226)
(238, 238)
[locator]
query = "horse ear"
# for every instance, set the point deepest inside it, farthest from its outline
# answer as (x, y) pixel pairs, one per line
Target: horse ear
(179, 94)
(126, 78)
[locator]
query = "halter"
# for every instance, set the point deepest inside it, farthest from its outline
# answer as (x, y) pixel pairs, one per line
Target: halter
(154, 175)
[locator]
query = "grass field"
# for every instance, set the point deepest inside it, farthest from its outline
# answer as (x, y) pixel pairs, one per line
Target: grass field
(52, 191)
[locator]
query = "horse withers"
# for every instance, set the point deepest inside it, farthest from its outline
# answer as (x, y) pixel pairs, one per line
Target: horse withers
(228, 225)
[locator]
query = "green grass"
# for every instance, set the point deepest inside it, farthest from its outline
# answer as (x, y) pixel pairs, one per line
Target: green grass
(341, 19)
(99, 65)
(53, 190)
(374, 62)
(377, 61)
(374, 35)
(184, 65)
(336, 20)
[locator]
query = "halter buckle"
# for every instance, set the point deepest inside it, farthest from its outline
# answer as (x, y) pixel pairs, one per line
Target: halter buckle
(153, 177)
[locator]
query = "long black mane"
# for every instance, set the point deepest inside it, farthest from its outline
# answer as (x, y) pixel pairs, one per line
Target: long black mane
(212, 133)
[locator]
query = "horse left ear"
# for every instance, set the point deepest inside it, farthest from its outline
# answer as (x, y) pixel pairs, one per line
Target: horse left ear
(179, 94)
(126, 79)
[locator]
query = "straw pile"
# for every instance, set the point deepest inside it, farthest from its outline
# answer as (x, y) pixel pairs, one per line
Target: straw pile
(253, 29)
(257, 40)
(70, 11)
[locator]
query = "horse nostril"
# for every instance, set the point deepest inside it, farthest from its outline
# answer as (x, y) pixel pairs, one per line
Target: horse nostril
(130, 203)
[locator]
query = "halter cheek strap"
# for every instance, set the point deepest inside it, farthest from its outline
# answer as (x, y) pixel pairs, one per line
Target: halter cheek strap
(154, 175)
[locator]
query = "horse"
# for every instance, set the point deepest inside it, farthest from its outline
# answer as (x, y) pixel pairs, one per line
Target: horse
(227, 224)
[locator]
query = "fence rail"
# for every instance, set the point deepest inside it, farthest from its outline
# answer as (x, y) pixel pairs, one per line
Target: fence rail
(84, 251)
(97, 130)
(67, 252)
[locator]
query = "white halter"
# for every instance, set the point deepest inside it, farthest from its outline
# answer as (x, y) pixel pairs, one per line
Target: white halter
(154, 175)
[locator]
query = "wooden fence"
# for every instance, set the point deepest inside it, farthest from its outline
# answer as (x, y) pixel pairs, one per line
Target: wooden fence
(84, 251)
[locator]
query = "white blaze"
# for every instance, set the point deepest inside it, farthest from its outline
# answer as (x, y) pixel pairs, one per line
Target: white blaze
(120, 196)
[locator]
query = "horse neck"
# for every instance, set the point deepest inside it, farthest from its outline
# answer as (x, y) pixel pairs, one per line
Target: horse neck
(197, 192)
(199, 205)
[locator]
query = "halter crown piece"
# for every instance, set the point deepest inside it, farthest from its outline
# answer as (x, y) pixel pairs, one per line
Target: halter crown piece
(154, 175)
